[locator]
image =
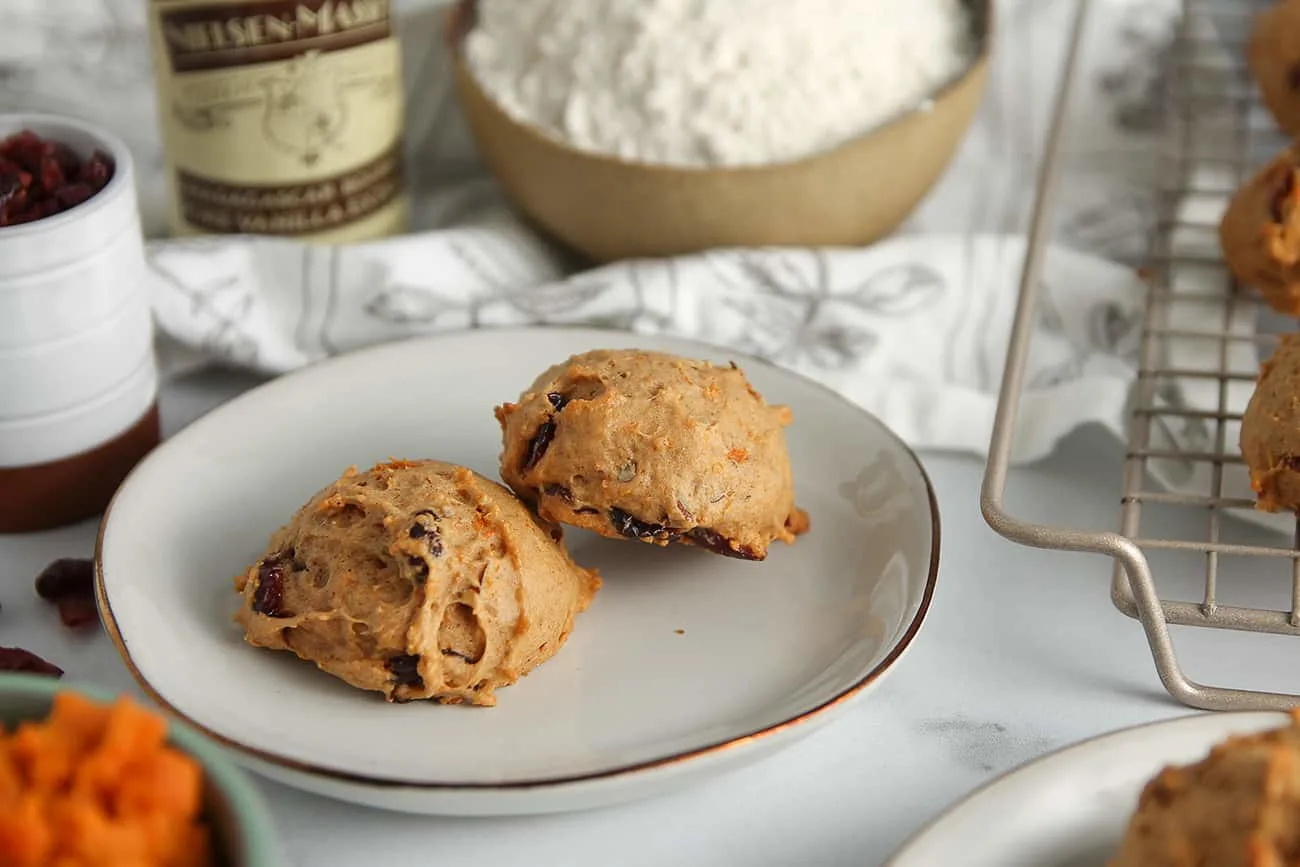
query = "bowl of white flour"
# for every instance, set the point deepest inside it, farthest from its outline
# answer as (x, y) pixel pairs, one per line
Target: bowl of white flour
(634, 128)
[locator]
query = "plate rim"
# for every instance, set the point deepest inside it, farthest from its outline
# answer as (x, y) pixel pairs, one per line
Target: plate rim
(680, 757)
(904, 850)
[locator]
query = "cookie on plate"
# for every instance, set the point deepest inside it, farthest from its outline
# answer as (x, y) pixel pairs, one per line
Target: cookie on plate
(650, 446)
(1273, 55)
(1270, 430)
(1260, 233)
(417, 579)
(1238, 806)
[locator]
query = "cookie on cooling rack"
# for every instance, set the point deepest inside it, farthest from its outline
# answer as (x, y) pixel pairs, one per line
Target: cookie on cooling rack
(1260, 233)
(1270, 430)
(1273, 54)
(1236, 806)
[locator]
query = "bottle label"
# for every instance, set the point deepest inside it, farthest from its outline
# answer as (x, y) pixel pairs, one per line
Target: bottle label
(281, 117)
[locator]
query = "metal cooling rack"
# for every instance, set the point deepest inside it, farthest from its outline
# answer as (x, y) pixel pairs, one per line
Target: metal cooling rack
(1202, 570)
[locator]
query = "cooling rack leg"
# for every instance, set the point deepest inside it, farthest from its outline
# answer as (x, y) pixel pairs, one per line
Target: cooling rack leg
(1151, 615)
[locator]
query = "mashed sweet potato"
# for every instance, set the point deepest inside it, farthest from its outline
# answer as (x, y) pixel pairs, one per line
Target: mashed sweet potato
(97, 784)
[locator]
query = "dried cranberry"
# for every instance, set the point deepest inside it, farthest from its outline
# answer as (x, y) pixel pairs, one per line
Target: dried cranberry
(66, 577)
(719, 544)
(17, 659)
(9, 167)
(405, 669)
(78, 612)
(559, 491)
(425, 528)
(52, 177)
(65, 156)
(541, 441)
(97, 171)
(13, 185)
(24, 148)
(545, 433)
(268, 598)
(13, 197)
(70, 584)
(634, 528)
(73, 195)
(34, 211)
(1283, 194)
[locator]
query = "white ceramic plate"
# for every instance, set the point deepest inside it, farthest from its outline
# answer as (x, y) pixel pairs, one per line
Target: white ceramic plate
(1070, 808)
(686, 662)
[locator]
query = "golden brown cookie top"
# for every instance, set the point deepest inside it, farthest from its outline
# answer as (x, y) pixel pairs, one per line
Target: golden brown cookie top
(1270, 429)
(1260, 233)
(1235, 808)
(417, 578)
(652, 446)
(1273, 55)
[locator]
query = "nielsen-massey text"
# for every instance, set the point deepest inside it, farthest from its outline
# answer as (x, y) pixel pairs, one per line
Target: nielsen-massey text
(188, 33)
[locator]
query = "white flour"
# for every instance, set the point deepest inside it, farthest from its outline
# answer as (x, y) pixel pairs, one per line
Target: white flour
(714, 82)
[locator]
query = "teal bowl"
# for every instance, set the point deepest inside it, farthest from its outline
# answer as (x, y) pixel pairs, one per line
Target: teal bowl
(236, 812)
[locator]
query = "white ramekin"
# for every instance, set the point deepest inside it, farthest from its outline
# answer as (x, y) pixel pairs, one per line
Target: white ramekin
(75, 322)
(78, 380)
(42, 306)
(69, 372)
(51, 437)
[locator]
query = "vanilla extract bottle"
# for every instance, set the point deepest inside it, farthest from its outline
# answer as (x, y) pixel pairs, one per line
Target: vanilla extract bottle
(281, 117)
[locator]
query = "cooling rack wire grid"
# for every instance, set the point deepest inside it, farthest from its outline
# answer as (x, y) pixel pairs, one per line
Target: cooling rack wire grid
(1201, 343)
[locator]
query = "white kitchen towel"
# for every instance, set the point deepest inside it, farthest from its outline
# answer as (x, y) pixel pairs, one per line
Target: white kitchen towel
(914, 329)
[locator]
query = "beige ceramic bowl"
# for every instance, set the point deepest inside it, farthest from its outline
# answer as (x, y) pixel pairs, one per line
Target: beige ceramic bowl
(608, 208)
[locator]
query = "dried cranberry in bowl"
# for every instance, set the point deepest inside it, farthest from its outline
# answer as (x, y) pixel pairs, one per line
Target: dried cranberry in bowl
(40, 177)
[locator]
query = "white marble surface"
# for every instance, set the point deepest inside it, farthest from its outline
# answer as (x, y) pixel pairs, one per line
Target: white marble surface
(1022, 653)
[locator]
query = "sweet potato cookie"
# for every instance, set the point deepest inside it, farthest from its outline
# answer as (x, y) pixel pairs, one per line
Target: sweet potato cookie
(1273, 55)
(1260, 233)
(649, 446)
(421, 580)
(1236, 808)
(1270, 429)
